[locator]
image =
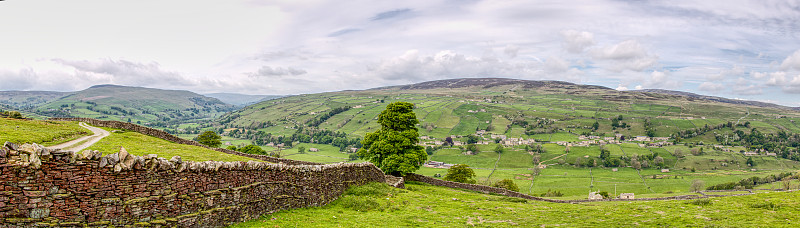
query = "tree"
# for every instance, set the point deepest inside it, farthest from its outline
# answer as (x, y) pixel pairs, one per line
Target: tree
(595, 125)
(678, 153)
(498, 149)
(460, 173)
(209, 138)
(750, 162)
(301, 149)
(252, 149)
(473, 148)
(14, 115)
(697, 185)
(506, 184)
(448, 141)
(393, 148)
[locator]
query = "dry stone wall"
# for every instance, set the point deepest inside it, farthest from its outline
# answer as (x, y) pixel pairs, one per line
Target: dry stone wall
(166, 136)
(42, 187)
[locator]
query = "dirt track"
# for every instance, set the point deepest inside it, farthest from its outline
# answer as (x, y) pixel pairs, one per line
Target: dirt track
(85, 141)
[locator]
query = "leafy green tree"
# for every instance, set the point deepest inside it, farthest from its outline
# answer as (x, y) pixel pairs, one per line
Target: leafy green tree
(460, 173)
(231, 148)
(14, 115)
(393, 148)
(301, 149)
(252, 149)
(498, 149)
(595, 125)
(473, 148)
(750, 162)
(506, 184)
(697, 185)
(209, 138)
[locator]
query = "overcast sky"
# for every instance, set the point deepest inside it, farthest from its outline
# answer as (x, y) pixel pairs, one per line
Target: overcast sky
(735, 49)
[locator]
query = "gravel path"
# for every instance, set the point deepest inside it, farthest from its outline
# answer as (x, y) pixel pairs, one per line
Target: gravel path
(83, 142)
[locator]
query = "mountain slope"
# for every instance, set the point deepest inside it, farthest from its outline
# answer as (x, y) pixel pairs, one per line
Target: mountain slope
(714, 98)
(29, 99)
(154, 106)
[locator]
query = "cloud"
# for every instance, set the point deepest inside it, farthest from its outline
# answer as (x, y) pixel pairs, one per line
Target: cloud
(661, 80)
(746, 87)
(277, 72)
(511, 51)
(711, 87)
(792, 61)
(390, 14)
(622, 87)
(626, 55)
(576, 42)
(128, 72)
(776, 79)
(733, 71)
(413, 66)
(793, 86)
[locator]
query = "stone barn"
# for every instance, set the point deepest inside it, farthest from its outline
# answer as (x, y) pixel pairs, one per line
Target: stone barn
(626, 196)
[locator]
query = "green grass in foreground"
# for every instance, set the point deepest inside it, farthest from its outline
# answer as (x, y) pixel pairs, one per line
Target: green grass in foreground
(46, 133)
(422, 205)
(139, 144)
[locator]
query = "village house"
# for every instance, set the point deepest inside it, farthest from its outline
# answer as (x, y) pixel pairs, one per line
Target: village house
(626, 196)
(750, 153)
(772, 154)
(424, 137)
(312, 149)
(498, 136)
(660, 138)
(595, 196)
(641, 138)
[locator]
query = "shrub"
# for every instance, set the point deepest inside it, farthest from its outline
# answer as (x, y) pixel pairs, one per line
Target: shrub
(697, 185)
(604, 194)
(506, 184)
(460, 173)
(552, 193)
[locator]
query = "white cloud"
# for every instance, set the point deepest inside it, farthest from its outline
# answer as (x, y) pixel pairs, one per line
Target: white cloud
(793, 86)
(622, 87)
(626, 55)
(792, 61)
(576, 41)
(278, 71)
(711, 87)
(511, 51)
(776, 78)
(662, 80)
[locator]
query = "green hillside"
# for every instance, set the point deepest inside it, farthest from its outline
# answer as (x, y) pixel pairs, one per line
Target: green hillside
(28, 99)
(547, 129)
(424, 205)
(146, 106)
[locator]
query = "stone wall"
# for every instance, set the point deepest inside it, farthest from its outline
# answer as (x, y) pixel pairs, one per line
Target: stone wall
(166, 136)
(42, 187)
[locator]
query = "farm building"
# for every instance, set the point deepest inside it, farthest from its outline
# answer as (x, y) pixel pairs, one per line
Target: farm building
(626, 196)
(312, 149)
(594, 196)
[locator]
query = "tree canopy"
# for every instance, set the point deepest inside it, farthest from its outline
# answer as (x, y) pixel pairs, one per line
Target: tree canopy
(393, 148)
(209, 138)
(460, 173)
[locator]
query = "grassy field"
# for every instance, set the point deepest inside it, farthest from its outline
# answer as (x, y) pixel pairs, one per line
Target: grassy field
(139, 144)
(46, 133)
(422, 205)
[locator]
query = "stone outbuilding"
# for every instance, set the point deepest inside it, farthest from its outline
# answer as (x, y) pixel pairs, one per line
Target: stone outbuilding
(595, 196)
(626, 196)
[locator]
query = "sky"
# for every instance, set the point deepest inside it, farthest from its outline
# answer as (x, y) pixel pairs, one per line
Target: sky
(735, 49)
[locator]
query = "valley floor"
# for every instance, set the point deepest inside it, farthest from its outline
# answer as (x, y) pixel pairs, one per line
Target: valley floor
(423, 205)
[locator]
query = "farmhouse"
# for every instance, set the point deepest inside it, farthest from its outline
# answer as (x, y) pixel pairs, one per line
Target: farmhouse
(626, 196)
(595, 196)
(750, 153)
(312, 149)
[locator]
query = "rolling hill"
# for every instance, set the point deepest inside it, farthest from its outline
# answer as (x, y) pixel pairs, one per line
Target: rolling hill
(153, 107)
(548, 130)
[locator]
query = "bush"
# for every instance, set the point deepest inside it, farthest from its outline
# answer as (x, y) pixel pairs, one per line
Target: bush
(697, 185)
(605, 195)
(460, 173)
(15, 115)
(506, 184)
(552, 193)
(252, 149)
